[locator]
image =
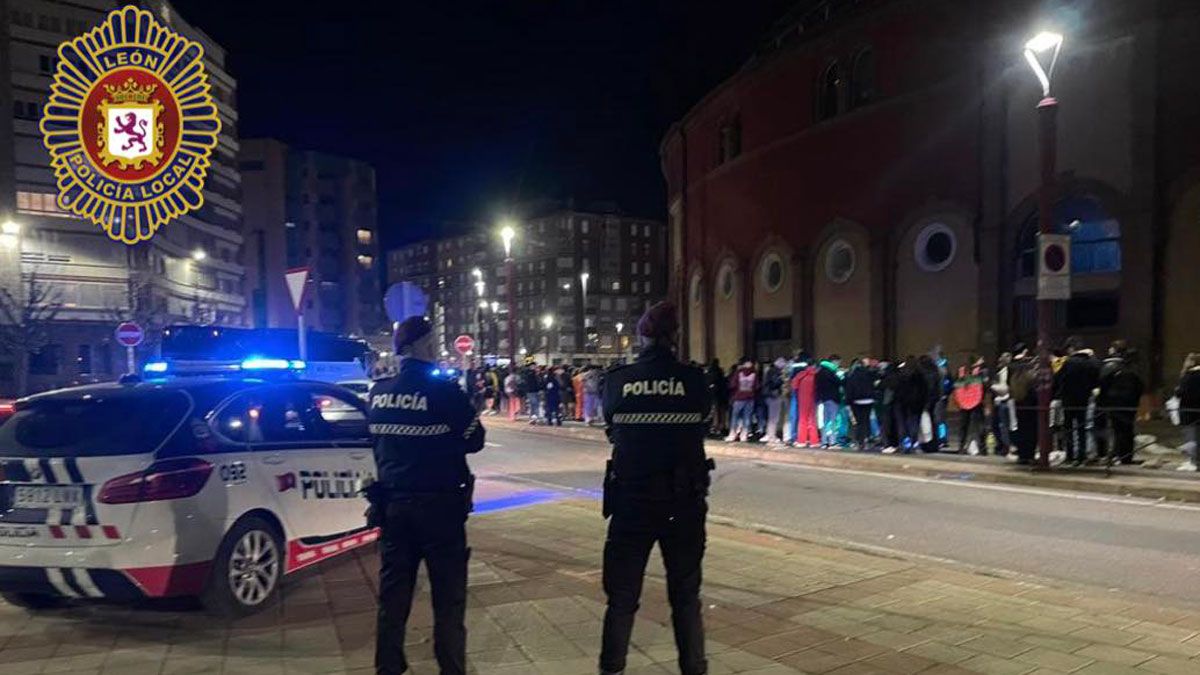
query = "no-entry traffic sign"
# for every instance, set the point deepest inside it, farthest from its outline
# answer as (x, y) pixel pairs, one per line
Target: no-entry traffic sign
(129, 334)
(464, 344)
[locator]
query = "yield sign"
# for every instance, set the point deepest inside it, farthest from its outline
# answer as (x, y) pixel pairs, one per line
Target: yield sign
(297, 283)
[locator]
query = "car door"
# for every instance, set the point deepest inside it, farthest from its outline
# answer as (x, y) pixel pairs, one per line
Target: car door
(344, 418)
(315, 483)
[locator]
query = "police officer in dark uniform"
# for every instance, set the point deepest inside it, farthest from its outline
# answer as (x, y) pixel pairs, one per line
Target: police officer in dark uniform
(424, 427)
(656, 410)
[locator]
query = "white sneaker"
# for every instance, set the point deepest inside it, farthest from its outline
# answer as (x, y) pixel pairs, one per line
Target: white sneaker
(730, 438)
(889, 450)
(1186, 466)
(765, 439)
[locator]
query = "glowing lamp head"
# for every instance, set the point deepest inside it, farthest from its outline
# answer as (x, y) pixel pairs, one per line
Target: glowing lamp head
(1041, 52)
(548, 321)
(199, 254)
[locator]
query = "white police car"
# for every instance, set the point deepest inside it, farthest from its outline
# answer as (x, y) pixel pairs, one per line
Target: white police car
(209, 487)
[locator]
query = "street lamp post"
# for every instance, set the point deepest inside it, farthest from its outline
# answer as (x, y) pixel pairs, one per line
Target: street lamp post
(199, 255)
(507, 234)
(1041, 52)
(548, 323)
(583, 283)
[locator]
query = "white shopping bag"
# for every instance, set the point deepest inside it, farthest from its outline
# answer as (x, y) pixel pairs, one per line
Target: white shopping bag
(926, 427)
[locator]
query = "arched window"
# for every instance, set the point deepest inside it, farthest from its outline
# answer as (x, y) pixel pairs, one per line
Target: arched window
(772, 272)
(862, 78)
(725, 281)
(830, 99)
(840, 261)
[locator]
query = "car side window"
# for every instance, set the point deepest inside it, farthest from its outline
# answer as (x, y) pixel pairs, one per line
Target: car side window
(289, 415)
(239, 418)
(343, 419)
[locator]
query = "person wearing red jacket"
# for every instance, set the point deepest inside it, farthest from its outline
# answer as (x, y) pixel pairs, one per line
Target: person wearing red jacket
(743, 389)
(804, 389)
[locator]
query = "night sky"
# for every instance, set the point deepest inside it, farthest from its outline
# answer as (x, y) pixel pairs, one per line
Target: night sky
(463, 107)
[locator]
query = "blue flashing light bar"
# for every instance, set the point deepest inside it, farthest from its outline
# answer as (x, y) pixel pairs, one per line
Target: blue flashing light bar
(437, 372)
(156, 367)
(297, 364)
(260, 363)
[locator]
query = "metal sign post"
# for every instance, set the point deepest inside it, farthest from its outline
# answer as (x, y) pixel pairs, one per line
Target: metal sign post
(297, 283)
(129, 335)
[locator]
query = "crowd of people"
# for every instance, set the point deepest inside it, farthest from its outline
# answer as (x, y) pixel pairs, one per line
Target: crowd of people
(919, 403)
(539, 394)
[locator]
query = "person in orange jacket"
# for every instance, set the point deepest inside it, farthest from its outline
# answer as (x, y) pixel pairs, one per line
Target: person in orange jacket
(577, 385)
(804, 393)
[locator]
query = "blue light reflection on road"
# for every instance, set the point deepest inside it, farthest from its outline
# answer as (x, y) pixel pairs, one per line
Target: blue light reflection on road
(530, 498)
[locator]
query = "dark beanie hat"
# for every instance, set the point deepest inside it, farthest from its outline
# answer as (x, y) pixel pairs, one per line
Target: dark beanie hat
(660, 322)
(410, 330)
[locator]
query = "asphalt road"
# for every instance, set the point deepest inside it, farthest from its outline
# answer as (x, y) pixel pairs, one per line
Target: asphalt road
(1128, 544)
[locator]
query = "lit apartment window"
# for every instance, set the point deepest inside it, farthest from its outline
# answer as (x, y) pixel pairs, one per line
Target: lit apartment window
(39, 203)
(366, 261)
(616, 285)
(364, 237)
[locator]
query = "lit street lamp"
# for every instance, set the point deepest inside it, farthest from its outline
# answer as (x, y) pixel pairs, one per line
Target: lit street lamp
(620, 346)
(507, 234)
(583, 281)
(547, 323)
(199, 254)
(1041, 52)
(10, 234)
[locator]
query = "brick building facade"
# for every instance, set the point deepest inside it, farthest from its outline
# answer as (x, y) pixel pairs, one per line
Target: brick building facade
(867, 182)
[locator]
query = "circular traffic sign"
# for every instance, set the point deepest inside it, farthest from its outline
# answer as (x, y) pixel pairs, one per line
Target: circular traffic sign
(1054, 258)
(464, 344)
(129, 334)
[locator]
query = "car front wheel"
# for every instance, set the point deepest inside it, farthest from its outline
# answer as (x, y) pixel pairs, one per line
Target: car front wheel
(247, 571)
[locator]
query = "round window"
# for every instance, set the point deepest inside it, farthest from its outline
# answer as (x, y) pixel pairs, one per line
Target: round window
(839, 261)
(726, 281)
(935, 247)
(772, 272)
(697, 290)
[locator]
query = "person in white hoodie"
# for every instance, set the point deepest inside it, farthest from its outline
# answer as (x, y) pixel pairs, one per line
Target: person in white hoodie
(1003, 417)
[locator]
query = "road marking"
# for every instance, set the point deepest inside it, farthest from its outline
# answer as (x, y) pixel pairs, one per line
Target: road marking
(1081, 496)
(1091, 497)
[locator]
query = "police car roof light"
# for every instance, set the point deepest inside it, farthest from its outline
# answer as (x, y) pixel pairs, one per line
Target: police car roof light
(156, 367)
(260, 363)
(437, 371)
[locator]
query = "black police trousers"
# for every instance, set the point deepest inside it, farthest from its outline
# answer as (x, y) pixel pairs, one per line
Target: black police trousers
(632, 532)
(432, 529)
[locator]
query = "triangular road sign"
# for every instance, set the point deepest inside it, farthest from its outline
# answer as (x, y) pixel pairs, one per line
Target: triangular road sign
(297, 283)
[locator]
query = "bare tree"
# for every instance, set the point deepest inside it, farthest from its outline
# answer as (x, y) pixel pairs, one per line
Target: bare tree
(25, 323)
(141, 306)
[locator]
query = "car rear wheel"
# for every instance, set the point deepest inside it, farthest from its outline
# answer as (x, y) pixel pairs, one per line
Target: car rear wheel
(247, 571)
(34, 601)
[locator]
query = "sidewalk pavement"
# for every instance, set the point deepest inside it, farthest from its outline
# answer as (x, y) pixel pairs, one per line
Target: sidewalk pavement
(1131, 481)
(773, 606)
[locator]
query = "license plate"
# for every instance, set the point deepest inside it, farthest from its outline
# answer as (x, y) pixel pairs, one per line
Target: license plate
(47, 497)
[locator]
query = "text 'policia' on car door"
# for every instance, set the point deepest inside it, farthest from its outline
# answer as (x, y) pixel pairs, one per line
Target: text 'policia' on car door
(311, 443)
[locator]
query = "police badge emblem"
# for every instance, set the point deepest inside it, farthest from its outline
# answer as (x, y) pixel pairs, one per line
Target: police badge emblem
(130, 125)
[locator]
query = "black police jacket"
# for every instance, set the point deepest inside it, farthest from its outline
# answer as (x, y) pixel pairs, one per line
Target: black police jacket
(424, 427)
(656, 412)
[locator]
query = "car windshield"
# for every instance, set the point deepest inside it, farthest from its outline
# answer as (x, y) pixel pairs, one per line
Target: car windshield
(97, 426)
